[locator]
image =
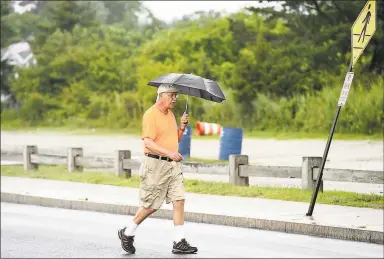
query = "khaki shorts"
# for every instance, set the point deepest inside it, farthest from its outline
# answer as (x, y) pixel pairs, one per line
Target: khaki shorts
(160, 180)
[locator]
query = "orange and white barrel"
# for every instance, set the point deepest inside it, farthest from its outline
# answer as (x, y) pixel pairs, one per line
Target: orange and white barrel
(207, 129)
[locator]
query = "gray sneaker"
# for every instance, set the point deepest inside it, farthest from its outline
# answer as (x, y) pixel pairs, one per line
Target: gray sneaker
(183, 247)
(126, 242)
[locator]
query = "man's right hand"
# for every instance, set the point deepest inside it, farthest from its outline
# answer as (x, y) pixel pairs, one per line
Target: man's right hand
(175, 156)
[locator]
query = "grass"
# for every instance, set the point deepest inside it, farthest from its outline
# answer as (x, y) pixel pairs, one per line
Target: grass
(309, 135)
(136, 132)
(202, 187)
(72, 130)
(206, 161)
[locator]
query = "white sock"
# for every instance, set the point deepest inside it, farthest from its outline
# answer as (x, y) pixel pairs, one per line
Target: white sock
(179, 233)
(131, 231)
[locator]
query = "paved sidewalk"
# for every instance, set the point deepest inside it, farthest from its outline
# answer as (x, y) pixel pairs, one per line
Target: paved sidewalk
(350, 223)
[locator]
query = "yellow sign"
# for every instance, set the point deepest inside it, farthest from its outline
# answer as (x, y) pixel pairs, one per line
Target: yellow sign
(363, 29)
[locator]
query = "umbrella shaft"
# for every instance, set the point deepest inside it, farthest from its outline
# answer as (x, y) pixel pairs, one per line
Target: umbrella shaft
(186, 106)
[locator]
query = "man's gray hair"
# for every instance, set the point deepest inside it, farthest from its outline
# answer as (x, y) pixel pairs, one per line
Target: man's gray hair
(167, 88)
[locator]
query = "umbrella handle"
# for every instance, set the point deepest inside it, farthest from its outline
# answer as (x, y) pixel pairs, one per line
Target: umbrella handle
(186, 107)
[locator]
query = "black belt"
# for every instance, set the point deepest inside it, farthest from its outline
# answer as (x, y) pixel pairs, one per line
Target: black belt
(159, 157)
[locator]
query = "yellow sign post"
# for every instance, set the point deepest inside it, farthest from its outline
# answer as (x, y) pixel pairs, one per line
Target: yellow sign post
(362, 30)
(361, 33)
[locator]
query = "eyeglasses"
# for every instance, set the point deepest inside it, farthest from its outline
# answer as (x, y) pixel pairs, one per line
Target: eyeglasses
(173, 96)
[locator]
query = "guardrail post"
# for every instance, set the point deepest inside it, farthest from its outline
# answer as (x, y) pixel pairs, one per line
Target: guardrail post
(309, 170)
(28, 151)
(120, 155)
(234, 162)
(72, 154)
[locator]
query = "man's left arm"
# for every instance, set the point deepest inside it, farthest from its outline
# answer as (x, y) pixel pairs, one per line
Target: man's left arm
(183, 125)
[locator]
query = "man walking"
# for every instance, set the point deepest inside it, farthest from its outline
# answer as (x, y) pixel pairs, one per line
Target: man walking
(160, 173)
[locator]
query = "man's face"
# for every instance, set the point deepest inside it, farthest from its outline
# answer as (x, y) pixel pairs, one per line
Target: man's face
(170, 99)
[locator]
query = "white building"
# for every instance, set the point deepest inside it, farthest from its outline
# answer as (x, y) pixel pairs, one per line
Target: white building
(19, 55)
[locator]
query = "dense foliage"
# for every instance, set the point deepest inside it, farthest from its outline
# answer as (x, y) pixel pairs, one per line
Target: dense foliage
(280, 70)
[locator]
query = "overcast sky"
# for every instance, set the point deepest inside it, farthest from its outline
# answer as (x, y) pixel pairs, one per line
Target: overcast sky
(169, 10)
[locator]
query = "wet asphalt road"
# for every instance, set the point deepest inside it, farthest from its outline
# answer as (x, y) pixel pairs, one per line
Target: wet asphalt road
(33, 231)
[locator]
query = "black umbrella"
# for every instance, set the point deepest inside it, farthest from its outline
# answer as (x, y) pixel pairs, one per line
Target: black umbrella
(191, 85)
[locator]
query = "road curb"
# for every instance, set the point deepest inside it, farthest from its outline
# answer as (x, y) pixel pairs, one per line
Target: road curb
(350, 234)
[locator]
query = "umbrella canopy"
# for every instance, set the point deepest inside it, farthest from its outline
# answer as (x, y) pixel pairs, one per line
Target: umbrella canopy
(192, 85)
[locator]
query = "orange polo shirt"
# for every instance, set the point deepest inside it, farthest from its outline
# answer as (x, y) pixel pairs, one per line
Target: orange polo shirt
(161, 128)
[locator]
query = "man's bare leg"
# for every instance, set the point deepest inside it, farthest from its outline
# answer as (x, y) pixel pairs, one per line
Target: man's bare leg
(178, 220)
(178, 212)
(141, 214)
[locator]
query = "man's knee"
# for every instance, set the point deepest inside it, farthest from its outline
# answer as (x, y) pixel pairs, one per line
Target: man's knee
(178, 203)
(150, 210)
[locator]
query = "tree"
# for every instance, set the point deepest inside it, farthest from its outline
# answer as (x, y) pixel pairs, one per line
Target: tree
(63, 16)
(377, 63)
(8, 33)
(124, 12)
(8, 36)
(326, 25)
